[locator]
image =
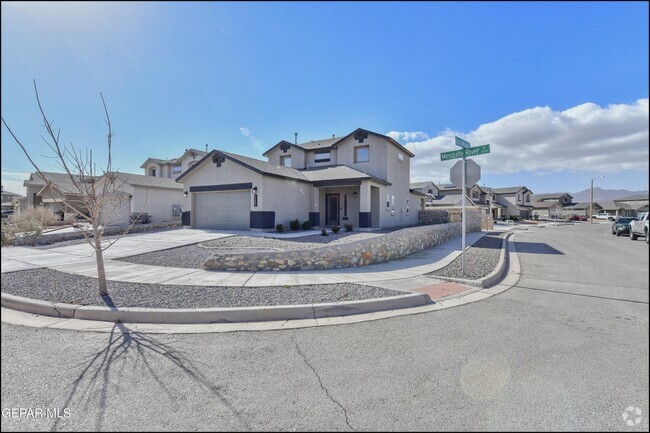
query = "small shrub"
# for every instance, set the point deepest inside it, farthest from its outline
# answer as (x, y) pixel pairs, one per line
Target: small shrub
(279, 228)
(348, 227)
(323, 232)
(295, 225)
(336, 229)
(514, 217)
(306, 225)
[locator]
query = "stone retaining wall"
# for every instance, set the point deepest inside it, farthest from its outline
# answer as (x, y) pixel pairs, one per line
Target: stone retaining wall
(50, 238)
(391, 246)
(440, 215)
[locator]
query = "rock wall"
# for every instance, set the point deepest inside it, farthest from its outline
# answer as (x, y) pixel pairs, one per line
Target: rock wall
(392, 246)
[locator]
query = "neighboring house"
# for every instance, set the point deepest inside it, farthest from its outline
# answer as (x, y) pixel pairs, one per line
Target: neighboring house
(428, 188)
(638, 202)
(549, 209)
(172, 168)
(360, 179)
(451, 200)
(55, 191)
(581, 209)
(515, 200)
(616, 209)
(141, 194)
(563, 198)
(8, 199)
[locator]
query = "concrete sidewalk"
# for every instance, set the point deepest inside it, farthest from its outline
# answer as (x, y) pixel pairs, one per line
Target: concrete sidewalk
(77, 260)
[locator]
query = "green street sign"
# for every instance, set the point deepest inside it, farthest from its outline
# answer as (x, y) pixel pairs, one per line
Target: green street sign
(445, 156)
(478, 150)
(462, 143)
(463, 153)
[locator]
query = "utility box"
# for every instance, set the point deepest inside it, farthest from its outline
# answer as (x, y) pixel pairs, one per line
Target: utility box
(176, 211)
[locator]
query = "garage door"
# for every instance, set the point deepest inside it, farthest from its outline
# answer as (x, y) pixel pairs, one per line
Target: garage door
(228, 210)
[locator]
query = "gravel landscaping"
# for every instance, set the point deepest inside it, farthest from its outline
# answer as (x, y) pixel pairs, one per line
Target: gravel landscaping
(480, 259)
(193, 256)
(55, 286)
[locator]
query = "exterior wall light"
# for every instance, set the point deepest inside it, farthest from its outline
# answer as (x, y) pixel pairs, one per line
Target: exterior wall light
(184, 193)
(354, 195)
(255, 190)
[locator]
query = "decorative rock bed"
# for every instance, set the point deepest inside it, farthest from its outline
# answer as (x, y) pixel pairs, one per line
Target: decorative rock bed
(392, 246)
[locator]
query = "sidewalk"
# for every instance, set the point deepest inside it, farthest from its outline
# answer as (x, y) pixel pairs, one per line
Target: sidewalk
(78, 260)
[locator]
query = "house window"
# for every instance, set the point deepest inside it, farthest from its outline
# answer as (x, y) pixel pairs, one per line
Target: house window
(285, 160)
(528, 199)
(474, 194)
(400, 156)
(322, 156)
(361, 154)
(431, 191)
(176, 168)
(152, 172)
(518, 197)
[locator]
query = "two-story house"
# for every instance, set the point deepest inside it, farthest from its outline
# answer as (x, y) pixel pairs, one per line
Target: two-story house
(361, 179)
(8, 199)
(515, 200)
(550, 205)
(172, 168)
(429, 188)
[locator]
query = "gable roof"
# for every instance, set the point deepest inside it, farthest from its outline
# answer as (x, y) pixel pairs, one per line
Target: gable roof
(419, 185)
(61, 181)
(635, 197)
(328, 143)
(550, 196)
(545, 204)
(450, 200)
(150, 181)
(173, 160)
(612, 205)
(508, 190)
(580, 206)
(339, 172)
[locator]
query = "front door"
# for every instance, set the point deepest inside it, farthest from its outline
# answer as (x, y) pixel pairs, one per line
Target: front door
(331, 209)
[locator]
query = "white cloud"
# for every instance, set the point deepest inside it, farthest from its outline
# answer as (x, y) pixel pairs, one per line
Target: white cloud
(245, 131)
(408, 136)
(583, 138)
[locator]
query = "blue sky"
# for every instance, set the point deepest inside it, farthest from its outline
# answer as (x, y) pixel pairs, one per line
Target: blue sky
(538, 80)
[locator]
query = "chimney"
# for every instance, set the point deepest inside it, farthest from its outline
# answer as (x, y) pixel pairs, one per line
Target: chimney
(206, 147)
(295, 139)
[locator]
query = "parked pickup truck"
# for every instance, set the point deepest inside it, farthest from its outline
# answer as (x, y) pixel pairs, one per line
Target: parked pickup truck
(604, 216)
(639, 227)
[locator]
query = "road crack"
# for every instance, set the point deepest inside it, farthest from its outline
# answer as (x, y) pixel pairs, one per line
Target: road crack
(320, 382)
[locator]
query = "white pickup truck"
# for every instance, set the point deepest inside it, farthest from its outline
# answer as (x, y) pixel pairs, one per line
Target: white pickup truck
(639, 227)
(604, 216)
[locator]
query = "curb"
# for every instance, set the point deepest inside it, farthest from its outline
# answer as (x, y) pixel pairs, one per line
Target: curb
(213, 315)
(493, 277)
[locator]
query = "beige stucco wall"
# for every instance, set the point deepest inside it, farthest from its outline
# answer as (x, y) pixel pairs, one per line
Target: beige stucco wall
(157, 202)
(289, 199)
(377, 165)
(297, 157)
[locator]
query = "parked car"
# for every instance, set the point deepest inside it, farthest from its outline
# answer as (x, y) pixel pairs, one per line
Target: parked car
(6, 213)
(577, 218)
(603, 216)
(639, 227)
(621, 225)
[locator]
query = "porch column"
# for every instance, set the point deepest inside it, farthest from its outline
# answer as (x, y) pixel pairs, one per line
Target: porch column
(365, 215)
(314, 207)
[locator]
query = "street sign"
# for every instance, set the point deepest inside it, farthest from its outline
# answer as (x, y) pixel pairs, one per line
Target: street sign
(462, 143)
(472, 173)
(454, 154)
(463, 153)
(478, 150)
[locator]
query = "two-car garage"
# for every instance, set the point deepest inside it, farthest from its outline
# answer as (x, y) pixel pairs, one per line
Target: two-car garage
(228, 210)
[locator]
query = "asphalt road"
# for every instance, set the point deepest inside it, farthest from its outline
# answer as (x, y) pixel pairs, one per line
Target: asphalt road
(565, 349)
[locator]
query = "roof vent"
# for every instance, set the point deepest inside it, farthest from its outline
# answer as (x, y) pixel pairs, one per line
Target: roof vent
(295, 135)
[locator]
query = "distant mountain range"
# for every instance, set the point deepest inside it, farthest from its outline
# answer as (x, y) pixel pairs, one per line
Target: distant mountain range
(603, 194)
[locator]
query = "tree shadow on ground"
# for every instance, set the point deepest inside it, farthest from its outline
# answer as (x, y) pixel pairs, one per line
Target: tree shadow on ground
(95, 379)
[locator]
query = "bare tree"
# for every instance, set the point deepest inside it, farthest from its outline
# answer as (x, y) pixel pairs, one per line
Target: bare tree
(93, 195)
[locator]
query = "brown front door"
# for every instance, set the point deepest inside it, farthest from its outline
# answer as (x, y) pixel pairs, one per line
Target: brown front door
(332, 209)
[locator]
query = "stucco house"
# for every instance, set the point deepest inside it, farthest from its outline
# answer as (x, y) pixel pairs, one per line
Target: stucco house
(637, 202)
(549, 209)
(362, 178)
(563, 198)
(617, 208)
(581, 209)
(172, 168)
(429, 188)
(155, 196)
(8, 199)
(515, 200)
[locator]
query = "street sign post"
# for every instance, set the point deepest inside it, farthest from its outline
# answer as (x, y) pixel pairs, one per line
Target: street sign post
(475, 175)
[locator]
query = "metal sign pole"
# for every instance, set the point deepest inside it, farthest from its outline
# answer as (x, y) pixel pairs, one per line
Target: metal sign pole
(462, 261)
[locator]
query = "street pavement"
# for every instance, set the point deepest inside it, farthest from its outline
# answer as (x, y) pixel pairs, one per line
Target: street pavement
(564, 349)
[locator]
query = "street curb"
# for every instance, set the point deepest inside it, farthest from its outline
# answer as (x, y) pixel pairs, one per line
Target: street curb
(493, 277)
(213, 315)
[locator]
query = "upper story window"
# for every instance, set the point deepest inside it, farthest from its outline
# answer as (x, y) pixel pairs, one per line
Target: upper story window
(152, 172)
(528, 198)
(518, 197)
(285, 160)
(176, 168)
(322, 156)
(362, 154)
(400, 156)
(474, 194)
(430, 191)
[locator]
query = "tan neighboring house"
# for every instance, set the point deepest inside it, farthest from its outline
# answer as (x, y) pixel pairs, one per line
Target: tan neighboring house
(550, 205)
(515, 200)
(362, 178)
(637, 202)
(8, 199)
(581, 209)
(160, 198)
(172, 168)
(428, 188)
(616, 208)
